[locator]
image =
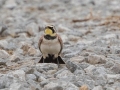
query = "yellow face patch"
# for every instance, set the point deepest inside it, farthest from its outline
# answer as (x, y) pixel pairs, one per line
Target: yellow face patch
(49, 32)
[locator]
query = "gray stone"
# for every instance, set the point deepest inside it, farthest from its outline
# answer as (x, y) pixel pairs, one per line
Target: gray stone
(71, 66)
(116, 84)
(99, 71)
(110, 81)
(6, 81)
(70, 55)
(19, 51)
(64, 74)
(109, 63)
(2, 62)
(71, 86)
(90, 69)
(66, 50)
(109, 88)
(37, 73)
(44, 82)
(78, 72)
(60, 86)
(2, 28)
(28, 70)
(14, 58)
(20, 74)
(40, 77)
(100, 80)
(116, 68)
(33, 84)
(18, 86)
(31, 76)
(89, 82)
(53, 86)
(5, 89)
(2, 85)
(46, 67)
(83, 65)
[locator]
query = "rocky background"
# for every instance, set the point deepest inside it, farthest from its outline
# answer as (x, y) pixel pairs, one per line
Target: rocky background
(90, 30)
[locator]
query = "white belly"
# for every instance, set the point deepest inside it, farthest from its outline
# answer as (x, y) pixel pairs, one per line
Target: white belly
(50, 47)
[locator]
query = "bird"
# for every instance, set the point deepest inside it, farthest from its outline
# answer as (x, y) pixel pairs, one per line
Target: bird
(50, 45)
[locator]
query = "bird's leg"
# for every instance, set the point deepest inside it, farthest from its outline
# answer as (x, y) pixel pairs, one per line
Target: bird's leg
(56, 57)
(43, 60)
(44, 57)
(58, 62)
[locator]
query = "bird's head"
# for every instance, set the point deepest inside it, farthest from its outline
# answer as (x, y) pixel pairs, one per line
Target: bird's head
(49, 30)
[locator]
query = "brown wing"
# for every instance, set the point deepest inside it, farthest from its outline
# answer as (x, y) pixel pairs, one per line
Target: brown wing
(39, 44)
(61, 43)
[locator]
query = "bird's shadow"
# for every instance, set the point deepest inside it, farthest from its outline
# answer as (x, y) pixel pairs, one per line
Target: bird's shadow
(50, 59)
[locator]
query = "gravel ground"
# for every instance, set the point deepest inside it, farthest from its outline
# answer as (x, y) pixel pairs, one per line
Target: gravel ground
(90, 30)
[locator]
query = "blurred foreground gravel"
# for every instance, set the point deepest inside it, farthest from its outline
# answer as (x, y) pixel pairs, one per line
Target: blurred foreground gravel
(90, 30)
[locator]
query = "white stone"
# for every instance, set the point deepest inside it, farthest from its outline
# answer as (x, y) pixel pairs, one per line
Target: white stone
(113, 76)
(10, 4)
(98, 88)
(15, 86)
(109, 88)
(3, 44)
(32, 29)
(32, 51)
(96, 59)
(63, 28)
(4, 54)
(108, 36)
(64, 37)
(77, 59)
(51, 71)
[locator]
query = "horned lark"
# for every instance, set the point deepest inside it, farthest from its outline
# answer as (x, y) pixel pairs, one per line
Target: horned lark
(51, 45)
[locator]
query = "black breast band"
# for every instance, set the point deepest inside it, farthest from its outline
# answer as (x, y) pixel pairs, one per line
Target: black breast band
(48, 37)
